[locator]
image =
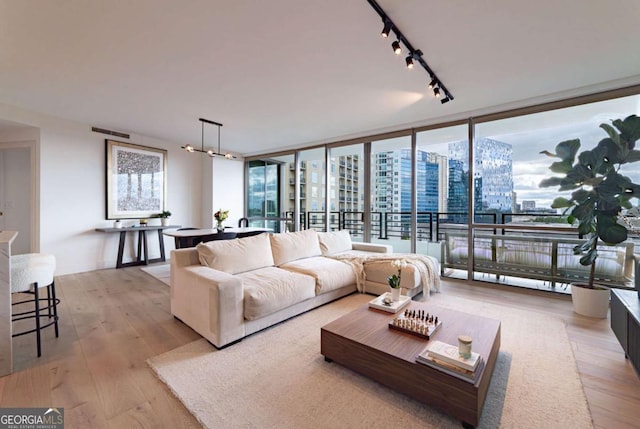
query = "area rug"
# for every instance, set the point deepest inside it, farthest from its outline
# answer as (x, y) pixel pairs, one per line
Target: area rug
(277, 378)
(160, 272)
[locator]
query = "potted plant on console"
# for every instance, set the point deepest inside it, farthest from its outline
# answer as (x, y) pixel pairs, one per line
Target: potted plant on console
(599, 194)
(164, 217)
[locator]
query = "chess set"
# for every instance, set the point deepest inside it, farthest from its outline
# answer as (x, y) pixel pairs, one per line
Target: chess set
(416, 322)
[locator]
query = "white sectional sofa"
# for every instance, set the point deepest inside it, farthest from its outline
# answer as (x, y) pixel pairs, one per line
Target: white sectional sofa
(228, 289)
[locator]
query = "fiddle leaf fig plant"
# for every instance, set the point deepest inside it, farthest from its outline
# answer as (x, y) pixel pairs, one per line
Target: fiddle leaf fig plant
(599, 191)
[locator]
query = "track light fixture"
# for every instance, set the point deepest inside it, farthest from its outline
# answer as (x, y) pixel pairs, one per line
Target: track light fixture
(386, 30)
(396, 47)
(414, 54)
(210, 152)
(409, 61)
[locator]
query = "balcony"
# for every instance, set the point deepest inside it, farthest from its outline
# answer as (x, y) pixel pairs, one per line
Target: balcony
(544, 258)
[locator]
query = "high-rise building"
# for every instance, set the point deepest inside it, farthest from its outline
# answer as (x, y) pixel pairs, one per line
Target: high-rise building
(391, 182)
(492, 172)
(443, 178)
(344, 189)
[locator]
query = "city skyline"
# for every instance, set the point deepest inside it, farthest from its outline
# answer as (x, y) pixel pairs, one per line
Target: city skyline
(527, 136)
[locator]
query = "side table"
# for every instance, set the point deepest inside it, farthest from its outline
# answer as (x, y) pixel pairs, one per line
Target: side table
(142, 256)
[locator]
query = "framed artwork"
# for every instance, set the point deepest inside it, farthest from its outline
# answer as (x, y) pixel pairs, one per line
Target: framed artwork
(136, 180)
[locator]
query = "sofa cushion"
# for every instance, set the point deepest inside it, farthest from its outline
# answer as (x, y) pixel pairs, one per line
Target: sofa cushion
(268, 290)
(378, 272)
(238, 255)
(334, 242)
(329, 274)
(290, 246)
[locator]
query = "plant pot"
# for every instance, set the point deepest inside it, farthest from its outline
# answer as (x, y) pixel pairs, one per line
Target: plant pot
(395, 294)
(590, 302)
(164, 221)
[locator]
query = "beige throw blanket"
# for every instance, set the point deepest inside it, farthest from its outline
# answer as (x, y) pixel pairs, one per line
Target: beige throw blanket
(427, 266)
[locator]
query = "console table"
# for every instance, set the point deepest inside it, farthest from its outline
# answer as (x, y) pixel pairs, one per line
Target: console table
(142, 256)
(625, 322)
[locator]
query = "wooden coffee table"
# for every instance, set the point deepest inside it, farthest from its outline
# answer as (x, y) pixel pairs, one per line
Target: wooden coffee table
(362, 341)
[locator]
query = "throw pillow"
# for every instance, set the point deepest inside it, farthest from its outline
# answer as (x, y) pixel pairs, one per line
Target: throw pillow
(334, 242)
(287, 247)
(237, 256)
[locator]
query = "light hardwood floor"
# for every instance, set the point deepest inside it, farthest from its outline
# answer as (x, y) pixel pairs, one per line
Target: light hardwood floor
(112, 321)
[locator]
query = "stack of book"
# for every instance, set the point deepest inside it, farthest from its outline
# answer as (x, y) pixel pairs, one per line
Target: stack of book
(446, 358)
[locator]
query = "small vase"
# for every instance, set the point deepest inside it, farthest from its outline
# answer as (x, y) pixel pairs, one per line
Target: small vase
(395, 294)
(164, 221)
(219, 226)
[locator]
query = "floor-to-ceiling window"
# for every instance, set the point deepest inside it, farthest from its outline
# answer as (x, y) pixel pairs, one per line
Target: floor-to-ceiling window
(312, 183)
(346, 189)
(442, 187)
(267, 184)
(391, 192)
(535, 244)
(516, 237)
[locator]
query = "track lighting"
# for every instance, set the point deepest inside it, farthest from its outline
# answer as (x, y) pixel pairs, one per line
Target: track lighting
(409, 61)
(415, 55)
(386, 30)
(210, 152)
(396, 47)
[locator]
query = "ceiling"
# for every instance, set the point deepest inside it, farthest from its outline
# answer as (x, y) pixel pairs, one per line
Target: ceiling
(289, 73)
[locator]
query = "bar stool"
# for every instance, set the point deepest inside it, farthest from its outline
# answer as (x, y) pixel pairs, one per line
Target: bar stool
(29, 273)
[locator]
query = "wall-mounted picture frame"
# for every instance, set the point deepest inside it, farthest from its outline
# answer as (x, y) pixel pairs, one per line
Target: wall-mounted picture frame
(136, 182)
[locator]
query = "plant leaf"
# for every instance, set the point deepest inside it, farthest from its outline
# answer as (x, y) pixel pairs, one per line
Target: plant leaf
(561, 202)
(614, 152)
(561, 167)
(589, 257)
(567, 150)
(551, 181)
(610, 231)
(632, 156)
(629, 129)
(613, 134)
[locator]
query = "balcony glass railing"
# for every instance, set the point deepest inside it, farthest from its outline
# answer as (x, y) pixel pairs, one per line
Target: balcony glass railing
(540, 257)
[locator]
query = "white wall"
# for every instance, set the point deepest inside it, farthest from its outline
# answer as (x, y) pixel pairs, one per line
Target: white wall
(226, 193)
(15, 168)
(72, 191)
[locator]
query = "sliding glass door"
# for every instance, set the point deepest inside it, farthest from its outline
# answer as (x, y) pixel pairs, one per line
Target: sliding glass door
(266, 196)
